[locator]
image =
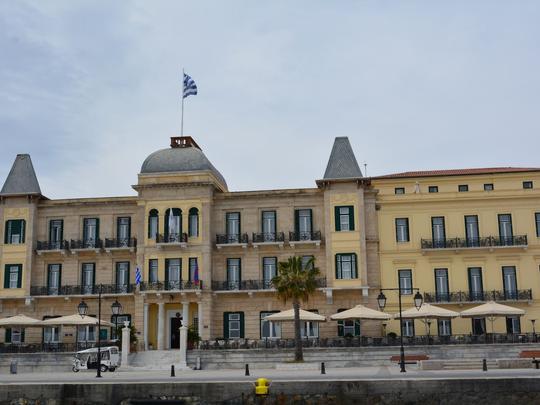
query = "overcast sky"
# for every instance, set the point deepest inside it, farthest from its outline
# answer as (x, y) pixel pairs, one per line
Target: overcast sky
(90, 88)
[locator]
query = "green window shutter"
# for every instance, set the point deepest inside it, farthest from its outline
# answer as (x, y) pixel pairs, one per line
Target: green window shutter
(97, 229)
(340, 330)
(297, 223)
(48, 276)
(226, 325)
(242, 325)
(8, 335)
(6, 276)
(310, 220)
(336, 216)
(354, 266)
(357, 327)
(351, 217)
(85, 233)
(240, 271)
(338, 267)
(59, 276)
(93, 276)
(6, 232)
(166, 272)
(128, 272)
(22, 335)
(167, 213)
(19, 276)
(61, 230)
(23, 229)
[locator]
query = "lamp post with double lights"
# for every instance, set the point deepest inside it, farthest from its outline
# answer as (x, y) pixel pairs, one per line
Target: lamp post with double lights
(418, 301)
(533, 321)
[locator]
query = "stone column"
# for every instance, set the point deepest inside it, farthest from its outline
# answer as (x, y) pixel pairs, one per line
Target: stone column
(161, 326)
(125, 343)
(145, 326)
(199, 317)
(183, 336)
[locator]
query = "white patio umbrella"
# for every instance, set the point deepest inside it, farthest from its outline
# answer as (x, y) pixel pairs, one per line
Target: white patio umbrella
(427, 311)
(19, 320)
(74, 320)
(360, 312)
(491, 310)
(288, 315)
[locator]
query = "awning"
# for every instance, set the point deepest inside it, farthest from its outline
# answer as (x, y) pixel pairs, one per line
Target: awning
(74, 320)
(491, 309)
(19, 320)
(428, 311)
(360, 312)
(289, 316)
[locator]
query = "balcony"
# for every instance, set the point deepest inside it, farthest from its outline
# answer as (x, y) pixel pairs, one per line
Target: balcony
(268, 239)
(457, 297)
(85, 245)
(231, 240)
(52, 247)
(172, 240)
(81, 290)
(252, 285)
(486, 242)
(301, 238)
(171, 286)
(117, 244)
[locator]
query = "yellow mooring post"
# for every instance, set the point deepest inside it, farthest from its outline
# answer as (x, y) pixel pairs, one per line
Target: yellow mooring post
(262, 386)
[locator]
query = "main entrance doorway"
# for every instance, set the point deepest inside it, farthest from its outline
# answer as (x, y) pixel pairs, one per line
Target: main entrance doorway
(176, 322)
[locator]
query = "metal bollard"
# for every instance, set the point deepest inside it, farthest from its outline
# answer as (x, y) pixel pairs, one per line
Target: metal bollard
(247, 369)
(323, 369)
(172, 371)
(198, 366)
(484, 365)
(13, 367)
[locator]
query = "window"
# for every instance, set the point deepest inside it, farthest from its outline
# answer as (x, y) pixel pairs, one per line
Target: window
(269, 270)
(402, 230)
(438, 232)
(90, 232)
(433, 189)
(306, 260)
(122, 277)
(232, 220)
(309, 329)
(462, 188)
(505, 229)
(54, 272)
(123, 230)
(14, 335)
(344, 217)
(269, 329)
(193, 225)
(14, 232)
(405, 281)
(441, 285)
(56, 233)
(51, 334)
(268, 226)
(488, 187)
(509, 282)
(118, 322)
(346, 268)
(537, 218)
(13, 276)
(86, 333)
(88, 278)
(527, 184)
(444, 327)
(478, 326)
(303, 224)
(476, 286)
(173, 274)
(513, 325)
(472, 234)
(407, 329)
(348, 327)
(399, 190)
(233, 325)
(153, 270)
(194, 270)
(173, 224)
(153, 224)
(233, 274)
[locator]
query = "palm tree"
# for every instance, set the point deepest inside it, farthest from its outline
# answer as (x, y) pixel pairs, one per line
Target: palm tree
(296, 282)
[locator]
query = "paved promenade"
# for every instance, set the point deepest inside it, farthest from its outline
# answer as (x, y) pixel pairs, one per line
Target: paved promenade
(337, 374)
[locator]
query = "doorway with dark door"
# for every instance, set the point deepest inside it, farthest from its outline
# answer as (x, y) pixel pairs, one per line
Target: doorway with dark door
(176, 322)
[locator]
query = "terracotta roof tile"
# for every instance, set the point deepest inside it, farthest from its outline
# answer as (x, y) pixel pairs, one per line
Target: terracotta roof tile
(459, 172)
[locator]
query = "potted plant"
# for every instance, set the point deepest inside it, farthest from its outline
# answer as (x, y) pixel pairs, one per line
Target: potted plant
(193, 338)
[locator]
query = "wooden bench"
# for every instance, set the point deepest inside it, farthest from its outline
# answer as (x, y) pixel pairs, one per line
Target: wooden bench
(410, 358)
(529, 354)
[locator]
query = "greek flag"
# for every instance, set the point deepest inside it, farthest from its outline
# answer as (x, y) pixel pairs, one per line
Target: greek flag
(190, 88)
(138, 276)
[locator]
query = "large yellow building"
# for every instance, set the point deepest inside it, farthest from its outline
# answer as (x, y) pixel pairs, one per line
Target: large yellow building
(206, 255)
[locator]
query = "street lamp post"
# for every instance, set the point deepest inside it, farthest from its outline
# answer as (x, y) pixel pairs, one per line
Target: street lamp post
(418, 300)
(534, 330)
(116, 309)
(83, 310)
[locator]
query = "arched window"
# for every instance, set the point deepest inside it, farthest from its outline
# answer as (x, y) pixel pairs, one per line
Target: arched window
(153, 223)
(193, 222)
(173, 223)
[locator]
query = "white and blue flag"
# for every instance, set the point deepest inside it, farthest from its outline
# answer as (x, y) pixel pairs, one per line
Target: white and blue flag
(138, 276)
(190, 88)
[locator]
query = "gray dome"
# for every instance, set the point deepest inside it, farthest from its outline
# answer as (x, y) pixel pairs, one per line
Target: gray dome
(188, 159)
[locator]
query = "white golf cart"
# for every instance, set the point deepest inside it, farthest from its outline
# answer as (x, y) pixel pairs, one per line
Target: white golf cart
(87, 359)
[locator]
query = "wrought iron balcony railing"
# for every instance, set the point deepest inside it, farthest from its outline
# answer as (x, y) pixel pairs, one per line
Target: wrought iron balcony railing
(82, 289)
(52, 245)
(478, 296)
(304, 236)
(225, 239)
(464, 243)
(252, 285)
(119, 243)
(171, 285)
(268, 237)
(172, 238)
(90, 243)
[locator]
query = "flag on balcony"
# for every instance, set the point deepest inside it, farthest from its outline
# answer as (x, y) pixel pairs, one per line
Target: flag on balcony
(196, 273)
(138, 276)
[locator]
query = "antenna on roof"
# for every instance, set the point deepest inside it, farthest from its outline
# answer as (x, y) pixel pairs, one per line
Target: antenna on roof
(365, 169)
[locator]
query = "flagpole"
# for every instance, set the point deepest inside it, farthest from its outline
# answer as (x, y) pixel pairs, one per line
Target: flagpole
(183, 90)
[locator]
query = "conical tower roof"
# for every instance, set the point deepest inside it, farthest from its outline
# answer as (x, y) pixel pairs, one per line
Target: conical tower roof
(342, 163)
(21, 179)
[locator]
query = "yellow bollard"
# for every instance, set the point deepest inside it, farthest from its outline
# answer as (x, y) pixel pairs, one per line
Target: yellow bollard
(262, 386)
